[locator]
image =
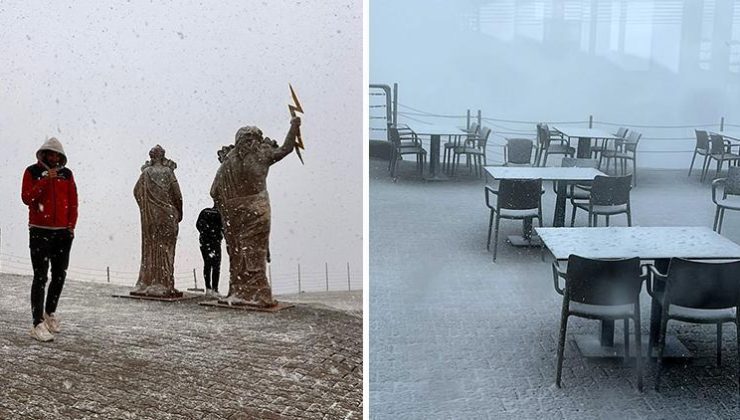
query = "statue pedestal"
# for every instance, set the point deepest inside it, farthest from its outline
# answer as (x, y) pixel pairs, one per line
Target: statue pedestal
(244, 307)
(170, 298)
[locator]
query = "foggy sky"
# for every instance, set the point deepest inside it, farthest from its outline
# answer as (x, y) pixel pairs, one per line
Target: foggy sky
(112, 79)
(628, 62)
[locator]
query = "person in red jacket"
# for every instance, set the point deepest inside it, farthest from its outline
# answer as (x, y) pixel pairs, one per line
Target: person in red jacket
(50, 193)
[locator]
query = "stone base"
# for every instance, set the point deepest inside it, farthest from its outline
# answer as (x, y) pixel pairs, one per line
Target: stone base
(277, 308)
(171, 298)
(590, 346)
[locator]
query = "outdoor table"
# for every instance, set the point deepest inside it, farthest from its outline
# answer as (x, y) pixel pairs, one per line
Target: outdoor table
(658, 244)
(435, 132)
(729, 136)
(561, 176)
(585, 135)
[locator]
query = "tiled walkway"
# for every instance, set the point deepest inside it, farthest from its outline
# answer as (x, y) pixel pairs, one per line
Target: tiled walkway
(120, 358)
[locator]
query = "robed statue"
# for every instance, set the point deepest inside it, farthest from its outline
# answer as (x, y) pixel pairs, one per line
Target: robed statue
(160, 205)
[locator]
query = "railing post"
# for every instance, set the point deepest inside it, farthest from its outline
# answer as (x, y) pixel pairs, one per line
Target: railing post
(299, 278)
(395, 104)
(590, 121)
(107, 272)
(480, 120)
(467, 121)
(195, 280)
(722, 124)
(326, 272)
(349, 287)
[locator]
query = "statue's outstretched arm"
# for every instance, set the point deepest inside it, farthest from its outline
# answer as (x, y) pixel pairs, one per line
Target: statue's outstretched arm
(289, 143)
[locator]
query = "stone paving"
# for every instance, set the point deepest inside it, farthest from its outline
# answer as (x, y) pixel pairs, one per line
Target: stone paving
(120, 358)
(453, 335)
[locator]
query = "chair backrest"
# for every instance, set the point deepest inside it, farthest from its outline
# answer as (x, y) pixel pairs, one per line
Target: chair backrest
(630, 142)
(519, 151)
(603, 282)
(611, 190)
(519, 194)
(717, 144)
(622, 132)
(473, 129)
(569, 162)
(732, 184)
(485, 132)
(702, 139)
(394, 136)
(702, 285)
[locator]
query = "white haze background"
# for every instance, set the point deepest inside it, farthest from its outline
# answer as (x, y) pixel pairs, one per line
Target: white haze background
(112, 79)
(652, 63)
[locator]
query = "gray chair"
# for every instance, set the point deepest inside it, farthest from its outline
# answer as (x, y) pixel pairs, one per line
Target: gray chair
(624, 151)
(517, 199)
(701, 148)
(606, 290)
(518, 152)
(550, 144)
(719, 150)
(409, 145)
(474, 149)
(596, 151)
(610, 195)
(698, 293)
(455, 142)
(730, 195)
(579, 190)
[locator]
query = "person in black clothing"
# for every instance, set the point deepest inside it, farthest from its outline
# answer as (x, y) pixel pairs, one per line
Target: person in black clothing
(211, 234)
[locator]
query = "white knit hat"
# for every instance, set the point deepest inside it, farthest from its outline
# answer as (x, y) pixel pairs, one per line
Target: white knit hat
(55, 146)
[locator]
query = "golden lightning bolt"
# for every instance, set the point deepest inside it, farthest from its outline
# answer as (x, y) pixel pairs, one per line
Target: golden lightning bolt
(296, 107)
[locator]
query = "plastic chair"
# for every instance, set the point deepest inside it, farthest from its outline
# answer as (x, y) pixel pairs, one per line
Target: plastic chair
(610, 195)
(606, 290)
(624, 151)
(547, 147)
(719, 150)
(411, 145)
(518, 152)
(474, 150)
(701, 148)
(580, 190)
(730, 187)
(517, 199)
(698, 293)
(455, 142)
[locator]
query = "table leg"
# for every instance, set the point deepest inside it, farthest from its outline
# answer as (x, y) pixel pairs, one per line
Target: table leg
(434, 159)
(559, 218)
(607, 333)
(584, 148)
(656, 309)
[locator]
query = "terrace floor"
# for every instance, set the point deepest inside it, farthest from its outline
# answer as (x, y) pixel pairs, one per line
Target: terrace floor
(453, 335)
(122, 358)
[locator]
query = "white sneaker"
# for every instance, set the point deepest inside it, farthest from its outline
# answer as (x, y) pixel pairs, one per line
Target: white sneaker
(52, 323)
(41, 333)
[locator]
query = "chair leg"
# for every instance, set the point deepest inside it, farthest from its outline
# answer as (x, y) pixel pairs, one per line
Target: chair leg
(561, 341)
(629, 217)
(490, 225)
(573, 216)
(544, 163)
(719, 344)
(626, 338)
(692, 162)
(634, 170)
(721, 218)
(495, 236)
(716, 219)
(661, 346)
(607, 220)
(638, 347)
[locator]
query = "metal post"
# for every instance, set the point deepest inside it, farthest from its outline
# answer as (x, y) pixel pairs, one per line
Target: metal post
(395, 104)
(467, 121)
(326, 271)
(107, 271)
(590, 121)
(480, 120)
(299, 278)
(722, 124)
(349, 288)
(195, 280)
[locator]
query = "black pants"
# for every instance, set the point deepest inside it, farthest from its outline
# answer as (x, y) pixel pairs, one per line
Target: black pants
(48, 246)
(211, 252)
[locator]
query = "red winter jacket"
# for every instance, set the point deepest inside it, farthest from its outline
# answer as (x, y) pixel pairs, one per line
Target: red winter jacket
(52, 203)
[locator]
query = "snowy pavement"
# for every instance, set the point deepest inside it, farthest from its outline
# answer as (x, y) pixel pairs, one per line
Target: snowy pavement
(122, 358)
(453, 335)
